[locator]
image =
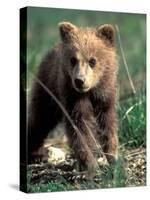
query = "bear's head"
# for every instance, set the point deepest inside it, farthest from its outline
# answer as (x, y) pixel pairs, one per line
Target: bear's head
(88, 54)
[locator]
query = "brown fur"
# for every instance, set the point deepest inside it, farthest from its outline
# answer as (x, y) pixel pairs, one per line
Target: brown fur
(91, 108)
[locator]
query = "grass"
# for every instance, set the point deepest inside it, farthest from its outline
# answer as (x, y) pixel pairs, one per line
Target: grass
(131, 109)
(49, 187)
(132, 123)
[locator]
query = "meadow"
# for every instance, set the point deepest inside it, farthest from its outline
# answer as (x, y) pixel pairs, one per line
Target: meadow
(42, 34)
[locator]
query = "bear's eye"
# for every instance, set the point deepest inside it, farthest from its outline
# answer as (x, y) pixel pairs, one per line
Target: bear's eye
(73, 61)
(92, 62)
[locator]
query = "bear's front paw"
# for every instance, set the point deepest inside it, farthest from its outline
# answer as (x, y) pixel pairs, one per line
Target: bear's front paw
(40, 155)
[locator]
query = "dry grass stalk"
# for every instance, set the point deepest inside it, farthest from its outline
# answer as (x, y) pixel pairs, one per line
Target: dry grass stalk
(124, 60)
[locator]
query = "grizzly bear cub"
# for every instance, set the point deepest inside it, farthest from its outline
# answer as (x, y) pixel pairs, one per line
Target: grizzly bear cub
(78, 76)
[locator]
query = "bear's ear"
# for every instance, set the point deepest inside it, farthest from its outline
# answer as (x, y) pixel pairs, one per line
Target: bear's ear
(107, 32)
(67, 30)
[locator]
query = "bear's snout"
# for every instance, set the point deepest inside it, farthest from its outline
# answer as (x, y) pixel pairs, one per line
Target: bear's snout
(79, 82)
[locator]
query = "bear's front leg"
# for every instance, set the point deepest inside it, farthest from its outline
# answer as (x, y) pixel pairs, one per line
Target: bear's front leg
(82, 134)
(108, 134)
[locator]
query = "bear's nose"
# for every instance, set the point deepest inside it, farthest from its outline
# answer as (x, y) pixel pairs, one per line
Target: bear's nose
(79, 82)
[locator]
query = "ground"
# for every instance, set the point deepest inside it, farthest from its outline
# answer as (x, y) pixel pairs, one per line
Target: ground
(62, 175)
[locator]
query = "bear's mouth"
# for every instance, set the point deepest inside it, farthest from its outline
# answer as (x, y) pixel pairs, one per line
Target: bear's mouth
(82, 90)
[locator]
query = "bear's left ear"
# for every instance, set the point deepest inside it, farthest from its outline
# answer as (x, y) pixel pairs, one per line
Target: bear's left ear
(67, 30)
(107, 32)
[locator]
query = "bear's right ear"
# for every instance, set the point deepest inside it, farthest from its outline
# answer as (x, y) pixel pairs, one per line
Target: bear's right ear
(107, 33)
(67, 30)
